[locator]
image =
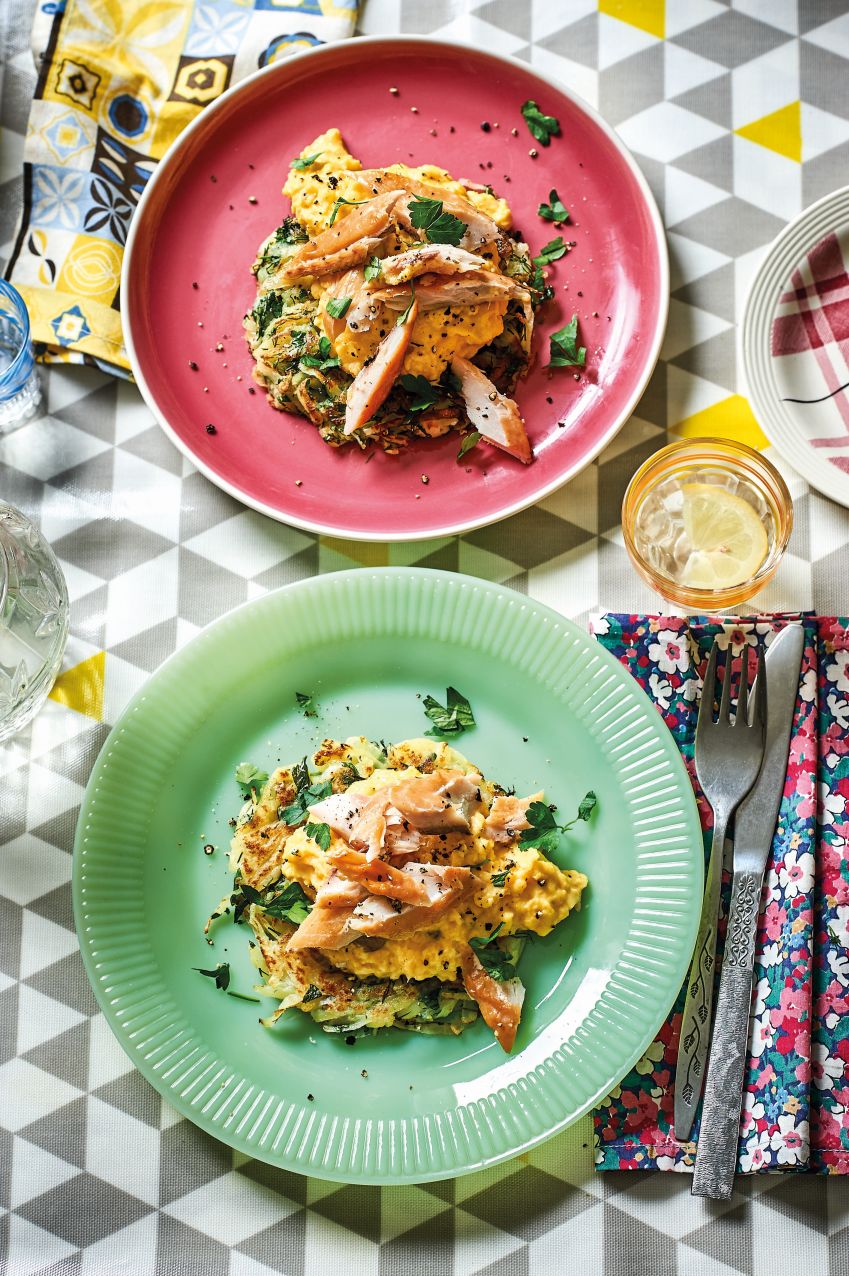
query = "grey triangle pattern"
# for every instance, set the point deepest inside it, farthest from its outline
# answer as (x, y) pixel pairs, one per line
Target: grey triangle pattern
(159, 1197)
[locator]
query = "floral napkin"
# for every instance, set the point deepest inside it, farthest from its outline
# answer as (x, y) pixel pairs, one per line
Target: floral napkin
(796, 1095)
(118, 81)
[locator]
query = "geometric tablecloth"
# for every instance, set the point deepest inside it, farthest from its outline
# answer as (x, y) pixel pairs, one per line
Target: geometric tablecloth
(739, 116)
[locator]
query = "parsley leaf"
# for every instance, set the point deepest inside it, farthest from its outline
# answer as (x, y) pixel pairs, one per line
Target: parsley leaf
(340, 201)
(565, 351)
(555, 210)
(422, 393)
(296, 812)
(323, 360)
(221, 975)
(319, 833)
(499, 879)
(337, 307)
(542, 127)
(470, 440)
(307, 704)
(311, 993)
(552, 251)
(456, 717)
(305, 161)
(538, 285)
(495, 961)
(402, 318)
(587, 805)
(439, 227)
(288, 903)
(544, 831)
(373, 268)
(250, 778)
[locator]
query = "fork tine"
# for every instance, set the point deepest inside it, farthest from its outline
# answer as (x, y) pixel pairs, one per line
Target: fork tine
(741, 716)
(705, 717)
(760, 703)
(725, 702)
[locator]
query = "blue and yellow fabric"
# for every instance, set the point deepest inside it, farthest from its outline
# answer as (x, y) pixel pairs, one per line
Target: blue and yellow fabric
(117, 83)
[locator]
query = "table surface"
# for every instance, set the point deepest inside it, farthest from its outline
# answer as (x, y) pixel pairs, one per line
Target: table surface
(97, 1175)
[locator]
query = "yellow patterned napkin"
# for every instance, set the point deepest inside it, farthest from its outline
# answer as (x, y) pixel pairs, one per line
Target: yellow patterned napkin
(118, 80)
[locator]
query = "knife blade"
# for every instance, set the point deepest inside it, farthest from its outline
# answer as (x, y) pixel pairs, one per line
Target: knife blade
(716, 1159)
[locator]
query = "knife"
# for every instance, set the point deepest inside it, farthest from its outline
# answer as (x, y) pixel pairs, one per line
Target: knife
(716, 1156)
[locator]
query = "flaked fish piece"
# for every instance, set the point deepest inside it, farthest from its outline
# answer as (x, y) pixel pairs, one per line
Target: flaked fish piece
(381, 918)
(351, 285)
(325, 927)
(508, 816)
(339, 891)
(438, 259)
(469, 289)
(375, 380)
(356, 232)
(331, 264)
(480, 229)
(439, 802)
(495, 416)
(500, 1002)
(381, 878)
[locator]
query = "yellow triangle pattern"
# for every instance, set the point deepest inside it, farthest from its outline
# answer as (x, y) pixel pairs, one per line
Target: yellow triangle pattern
(648, 15)
(780, 132)
(731, 418)
(81, 688)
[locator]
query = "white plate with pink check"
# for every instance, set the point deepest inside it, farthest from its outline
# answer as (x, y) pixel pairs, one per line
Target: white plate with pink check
(795, 344)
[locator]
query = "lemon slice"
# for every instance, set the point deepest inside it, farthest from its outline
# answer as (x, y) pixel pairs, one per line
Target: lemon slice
(728, 543)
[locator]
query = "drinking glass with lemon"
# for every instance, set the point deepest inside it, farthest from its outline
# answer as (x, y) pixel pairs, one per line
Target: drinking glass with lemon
(706, 522)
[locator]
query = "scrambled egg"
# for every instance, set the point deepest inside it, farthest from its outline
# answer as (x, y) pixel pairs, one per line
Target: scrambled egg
(438, 336)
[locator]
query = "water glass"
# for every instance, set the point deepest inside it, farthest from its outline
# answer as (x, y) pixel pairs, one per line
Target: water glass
(33, 620)
(20, 391)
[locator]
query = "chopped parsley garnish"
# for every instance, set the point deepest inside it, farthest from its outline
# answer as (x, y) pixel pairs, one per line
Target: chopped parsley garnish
(552, 251)
(334, 212)
(420, 390)
(268, 308)
(311, 993)
(337, 307)
(454, 718)
(221, 975)
(373, 268)
(288, 903)
(319, 833)
(305, 161)
(402, 318)
(323, 360)
(495, 962)
(471, 440)
(296, 812)
(307, 704)
(249, 778)
(544, 832)
(555, 210)
(565, 351)
(542, 127)
(290, 232)
(439, 227)
(498, 879)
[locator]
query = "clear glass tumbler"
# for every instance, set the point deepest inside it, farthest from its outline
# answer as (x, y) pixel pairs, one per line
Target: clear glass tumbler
(20, 390)
(33, 620)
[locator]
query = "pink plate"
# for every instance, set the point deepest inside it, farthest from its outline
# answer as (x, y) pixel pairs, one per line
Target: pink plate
(217, 195)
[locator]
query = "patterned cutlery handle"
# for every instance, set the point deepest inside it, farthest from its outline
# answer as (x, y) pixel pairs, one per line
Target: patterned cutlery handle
(695, 1021)
(716, 1158)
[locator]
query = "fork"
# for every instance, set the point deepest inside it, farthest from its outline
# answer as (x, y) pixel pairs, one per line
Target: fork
(728, 758)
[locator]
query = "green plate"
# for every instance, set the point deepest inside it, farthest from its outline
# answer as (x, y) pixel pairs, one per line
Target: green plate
(553, 709)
